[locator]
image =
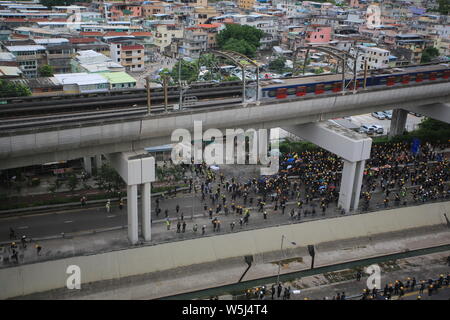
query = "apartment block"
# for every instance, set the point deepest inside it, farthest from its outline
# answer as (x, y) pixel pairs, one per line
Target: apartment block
(131, 56)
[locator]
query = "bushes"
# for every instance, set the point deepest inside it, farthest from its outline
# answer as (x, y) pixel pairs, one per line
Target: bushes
(288, 146)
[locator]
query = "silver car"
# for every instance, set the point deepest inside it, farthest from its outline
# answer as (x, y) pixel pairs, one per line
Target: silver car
(379, 115)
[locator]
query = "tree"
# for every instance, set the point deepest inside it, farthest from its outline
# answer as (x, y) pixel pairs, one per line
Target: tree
(11, 89)
(319, 70)
(240, 46)
(429, 54)
(45, 71)
(278, 64)
(189, 71)
(108, 179)
(444, 6)
(72, 182)
(51, 3)
(244, 38)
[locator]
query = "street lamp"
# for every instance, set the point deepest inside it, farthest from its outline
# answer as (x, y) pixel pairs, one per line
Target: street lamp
(279, 261)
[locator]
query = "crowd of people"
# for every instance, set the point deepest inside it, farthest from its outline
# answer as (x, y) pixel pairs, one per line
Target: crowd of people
(308, 183)
(16, 249)
(397, 289)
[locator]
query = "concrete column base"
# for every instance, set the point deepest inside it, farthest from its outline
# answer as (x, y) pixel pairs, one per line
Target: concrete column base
(87, 165)
(146, 211)
(132, 208)
(398, 122)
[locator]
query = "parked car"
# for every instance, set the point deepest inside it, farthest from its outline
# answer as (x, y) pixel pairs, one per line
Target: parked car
(379, 115)
(377, 128)
(388, 114)
(366, 129)
(416, 114)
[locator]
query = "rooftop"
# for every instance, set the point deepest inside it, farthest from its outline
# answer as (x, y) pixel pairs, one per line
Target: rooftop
(25, 48)
(47, 82)
(10, 71)
(81, 78)
(118, 77)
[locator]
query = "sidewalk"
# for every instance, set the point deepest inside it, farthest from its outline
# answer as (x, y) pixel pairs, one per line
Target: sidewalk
(197, 277)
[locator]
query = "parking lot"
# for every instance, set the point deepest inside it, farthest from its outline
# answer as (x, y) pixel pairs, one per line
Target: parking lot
(412, 122)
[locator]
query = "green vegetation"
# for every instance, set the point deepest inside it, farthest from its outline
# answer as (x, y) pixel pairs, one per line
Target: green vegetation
(288, 146)
(72, 182)
(278, 65)
(240, 38)
(444, 7)
(10, 89)
(428, 54)
(188, 71)
(319, 70)
(109, 180)
(45, 71)
(430, 130)
(51, 3)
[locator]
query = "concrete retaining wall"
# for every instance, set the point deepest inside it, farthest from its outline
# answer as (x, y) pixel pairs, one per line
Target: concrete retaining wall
(27, 279)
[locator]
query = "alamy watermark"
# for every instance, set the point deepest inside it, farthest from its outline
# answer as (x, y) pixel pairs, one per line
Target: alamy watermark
(374, 280)
(240, 145)
(74, 280)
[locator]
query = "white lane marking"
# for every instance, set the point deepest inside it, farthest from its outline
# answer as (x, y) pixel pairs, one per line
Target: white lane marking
(68, 221)
(24, 227)
(111, 216)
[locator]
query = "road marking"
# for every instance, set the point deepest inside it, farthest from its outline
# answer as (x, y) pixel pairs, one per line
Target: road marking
(24, 227)
(111, 216)
(68, 221)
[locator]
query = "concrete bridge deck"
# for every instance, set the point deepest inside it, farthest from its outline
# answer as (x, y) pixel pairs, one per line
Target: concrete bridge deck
(47, 144)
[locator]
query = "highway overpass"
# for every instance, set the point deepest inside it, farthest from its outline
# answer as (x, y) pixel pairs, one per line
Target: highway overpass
(24, 147)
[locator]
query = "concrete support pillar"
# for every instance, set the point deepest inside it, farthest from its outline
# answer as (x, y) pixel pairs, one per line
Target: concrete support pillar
(146, 211)
(136, 169)
(351, 182)
(87, 165)
(98, 161)
(132, 206)
(359, 173)
(398, 122)
(347, 183)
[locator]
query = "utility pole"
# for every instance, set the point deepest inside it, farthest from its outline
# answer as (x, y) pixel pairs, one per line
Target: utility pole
(165, 93)
(306, 60)
(343, 75)
(179, 81)
(354, 70)
(243, 84)
(365, 72)
(147, 82)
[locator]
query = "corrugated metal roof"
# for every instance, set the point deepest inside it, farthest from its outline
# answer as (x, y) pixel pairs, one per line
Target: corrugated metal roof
(10, 71)
(80, 78)
(118, 77)
(43, 82)
(25, 48)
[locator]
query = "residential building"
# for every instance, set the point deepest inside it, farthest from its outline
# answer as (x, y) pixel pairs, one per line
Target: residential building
(42, 86)
(91, 61)
(8, 72)
(414, 42)
(165, 33)
(131, 56)
(29, 58)
(83, 82)
(318, 34)
(194, 41)
(246, 4)
(377, 58)
(119, 80)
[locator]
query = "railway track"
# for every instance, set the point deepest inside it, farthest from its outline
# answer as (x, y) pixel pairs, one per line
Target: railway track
(39, 108)
(123, 113)
(240, 287)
